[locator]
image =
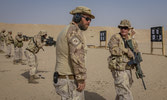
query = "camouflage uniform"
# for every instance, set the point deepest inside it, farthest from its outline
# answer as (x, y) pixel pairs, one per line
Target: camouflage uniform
(70, 61)
(18, 44)
(33, 48)
(2, 38)
(120, 55)
(9, 41)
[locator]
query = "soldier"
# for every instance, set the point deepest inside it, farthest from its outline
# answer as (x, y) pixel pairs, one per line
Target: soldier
(18, 44)
(35, 44)
(9, 40)
(120, 56)
(2, 38)
(70, 71)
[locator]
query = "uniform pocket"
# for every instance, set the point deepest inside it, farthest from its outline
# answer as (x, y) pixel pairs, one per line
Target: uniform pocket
(62, 88)
(111, 63)
(115, 63)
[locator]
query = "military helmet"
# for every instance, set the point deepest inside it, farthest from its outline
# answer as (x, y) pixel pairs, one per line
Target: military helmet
(125, 23)
(42, 33)
(82, 10)
(19, 33)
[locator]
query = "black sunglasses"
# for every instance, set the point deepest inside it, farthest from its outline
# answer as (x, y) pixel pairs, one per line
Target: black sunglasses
(124, 28)
(87, 18)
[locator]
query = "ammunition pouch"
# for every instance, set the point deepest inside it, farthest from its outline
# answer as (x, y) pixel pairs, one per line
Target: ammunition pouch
(18, 44)
(116, 63)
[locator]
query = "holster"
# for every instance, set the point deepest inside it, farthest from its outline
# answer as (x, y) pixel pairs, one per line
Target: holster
(55, 77)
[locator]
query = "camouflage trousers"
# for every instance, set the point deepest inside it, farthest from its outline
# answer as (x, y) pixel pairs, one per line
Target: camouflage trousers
(32, 62)
(9, 49)
(1, 45)
(123, 81)
(18, 53)
(66, 88)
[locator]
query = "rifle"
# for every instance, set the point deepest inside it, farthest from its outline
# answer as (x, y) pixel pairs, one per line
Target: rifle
(26, 38)
(136, 61)
(49, 41)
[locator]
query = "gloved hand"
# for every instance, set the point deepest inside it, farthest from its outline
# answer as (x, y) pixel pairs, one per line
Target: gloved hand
(130, 53)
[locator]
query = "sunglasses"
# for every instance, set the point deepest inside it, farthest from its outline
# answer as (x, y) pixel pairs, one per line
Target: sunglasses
(87, 18)
(124, 28)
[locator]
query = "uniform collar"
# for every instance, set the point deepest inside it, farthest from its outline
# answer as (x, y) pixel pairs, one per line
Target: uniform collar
(73, 23)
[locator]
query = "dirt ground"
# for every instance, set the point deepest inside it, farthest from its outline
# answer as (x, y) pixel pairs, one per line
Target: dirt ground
(99, 84)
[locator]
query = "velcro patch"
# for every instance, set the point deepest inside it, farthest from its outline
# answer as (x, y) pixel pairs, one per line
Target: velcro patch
(75, 41)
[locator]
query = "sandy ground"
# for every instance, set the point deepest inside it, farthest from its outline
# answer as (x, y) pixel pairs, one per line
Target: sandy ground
(100, 86)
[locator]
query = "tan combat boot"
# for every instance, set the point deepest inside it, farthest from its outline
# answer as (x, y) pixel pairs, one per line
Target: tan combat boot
(15, 62)
(36, 77)
(1, 51)
(32, 80)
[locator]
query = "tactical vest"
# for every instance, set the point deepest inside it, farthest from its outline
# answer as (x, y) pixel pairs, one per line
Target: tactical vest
(9, 39)
(120, 62)
(32, 46)
(17, 43)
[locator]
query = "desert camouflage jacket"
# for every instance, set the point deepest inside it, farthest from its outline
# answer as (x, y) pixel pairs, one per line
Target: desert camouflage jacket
(35, 44)
(18, 41)
(9, 39)
(77, 51)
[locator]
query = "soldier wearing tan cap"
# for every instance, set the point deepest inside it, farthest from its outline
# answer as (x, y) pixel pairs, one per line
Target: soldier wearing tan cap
(9, 41)
(121, 54)
(18, 44)
(35, 44)
(2, 40)
(70, 70)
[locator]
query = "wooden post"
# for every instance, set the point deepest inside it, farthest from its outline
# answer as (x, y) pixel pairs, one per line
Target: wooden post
(106, 40)
(163, 42)
(151, 47)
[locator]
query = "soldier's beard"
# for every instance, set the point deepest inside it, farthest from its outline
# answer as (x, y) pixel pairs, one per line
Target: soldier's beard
(82, 26)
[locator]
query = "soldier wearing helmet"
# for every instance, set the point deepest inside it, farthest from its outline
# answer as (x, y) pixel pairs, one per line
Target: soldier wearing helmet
(2, 39)
(117, 61)
(35, 44)
(9, 41)
(70, 71)
(18, 44)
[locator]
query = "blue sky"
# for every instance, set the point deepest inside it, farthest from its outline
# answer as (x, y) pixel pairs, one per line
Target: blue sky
(143, 14)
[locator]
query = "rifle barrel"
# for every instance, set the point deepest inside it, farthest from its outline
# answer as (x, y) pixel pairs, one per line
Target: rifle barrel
(143, 83)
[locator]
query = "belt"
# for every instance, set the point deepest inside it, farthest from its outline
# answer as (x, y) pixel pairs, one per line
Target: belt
(64, 76)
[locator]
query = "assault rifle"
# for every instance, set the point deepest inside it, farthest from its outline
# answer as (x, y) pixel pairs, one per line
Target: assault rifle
(26, 38)
(50, 41)
(136, 62)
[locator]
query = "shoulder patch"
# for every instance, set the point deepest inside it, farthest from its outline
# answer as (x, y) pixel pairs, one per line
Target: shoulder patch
(75, 41)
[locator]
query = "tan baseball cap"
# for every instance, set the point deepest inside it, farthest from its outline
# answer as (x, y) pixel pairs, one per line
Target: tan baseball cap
(42, 32)
(82, 10)
(19, 33)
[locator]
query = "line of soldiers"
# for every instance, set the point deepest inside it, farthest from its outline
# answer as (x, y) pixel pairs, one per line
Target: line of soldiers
(35, 44)
(6, 38)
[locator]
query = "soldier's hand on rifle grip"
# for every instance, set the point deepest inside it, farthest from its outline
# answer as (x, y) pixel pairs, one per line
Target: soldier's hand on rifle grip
(130, 54)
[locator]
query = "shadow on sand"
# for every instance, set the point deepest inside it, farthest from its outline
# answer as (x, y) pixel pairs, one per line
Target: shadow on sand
(26, 74)
(93, 96)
